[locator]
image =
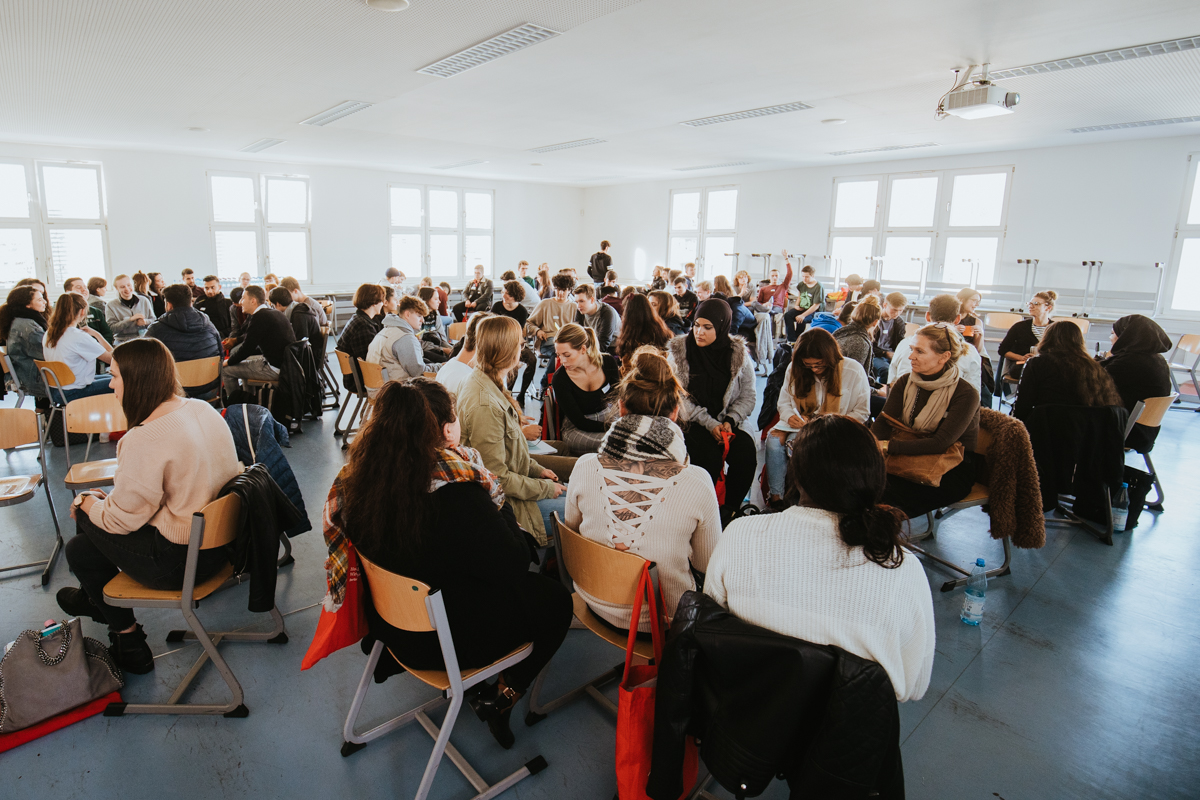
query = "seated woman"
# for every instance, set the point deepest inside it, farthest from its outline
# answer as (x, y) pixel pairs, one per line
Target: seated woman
(356, 337)
(638, 494)
(970, 325)
(640, 326)
(819, 381)
(1063, 373)
(174, 460)
(943, 408)
(22, 328)
(667, 308)
(1135, 364)
(457, 534)
(718, 375)
(832, 570)
(857, 336)
(583, 387)
(77, 347)
(491, 424)
(1021, 339)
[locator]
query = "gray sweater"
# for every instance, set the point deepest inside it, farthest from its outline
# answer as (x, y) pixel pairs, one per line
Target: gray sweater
(120, 318)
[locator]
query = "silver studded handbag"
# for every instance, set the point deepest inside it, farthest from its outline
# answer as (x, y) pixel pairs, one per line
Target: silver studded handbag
(43, 676)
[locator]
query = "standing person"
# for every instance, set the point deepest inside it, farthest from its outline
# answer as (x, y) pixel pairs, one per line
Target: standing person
(599, 264)
(716, 371)
(584, 388)
(511, 296)
(890, 332)
(1021, 339)
(810, 298)
(128, 314)
(1138, 369)
(95, 312)
(600, 317)
(189, 280)
(641, 326)
(477, 295)
(361, 329)
(215, 305)
(22, 327)
(187, 333)
(268, 333)
(1063, 373)
(77, 347)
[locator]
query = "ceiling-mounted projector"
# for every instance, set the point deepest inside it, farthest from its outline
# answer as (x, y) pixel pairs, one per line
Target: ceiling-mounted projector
(976, 99)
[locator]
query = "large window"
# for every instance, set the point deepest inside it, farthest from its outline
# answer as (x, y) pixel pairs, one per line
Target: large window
(442, 232)
(703, 230)
(921, 232)
(1184, 275)
(258, 237)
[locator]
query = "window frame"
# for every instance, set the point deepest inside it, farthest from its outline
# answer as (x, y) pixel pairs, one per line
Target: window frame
(702, 232)
(427, 231)
(255, 227)
(284, 227)
(1183, 232)
(50, 224)
(32, 222)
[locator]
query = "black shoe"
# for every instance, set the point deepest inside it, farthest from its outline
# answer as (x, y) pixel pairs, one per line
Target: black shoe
(76, 602)
(501, 731)
(131, 652)
(495, 708)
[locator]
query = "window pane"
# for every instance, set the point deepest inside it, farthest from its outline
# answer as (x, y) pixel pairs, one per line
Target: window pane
(978, 200)
(443, 208)
(16, 256)
(899, 252)
(683, 250)
(1193, 217)
(722, 210)
(856, 204)
(685, 211)
(479, 251)
(76, 252)
(851, 254)
(1187, 278)
(913, 200)
(443, 255)
(287, 203)
(406, 207)
(237, 252)
(715, 260)
(479, 210)
(14, 194)
(980, 251)
(71, 193)
(406, 252)
(288, 251)
(233, 199)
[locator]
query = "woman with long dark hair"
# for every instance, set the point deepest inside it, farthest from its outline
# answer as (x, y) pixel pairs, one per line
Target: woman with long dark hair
(456, 533)
(833, 569)
(666, 308)
(640, 326)
(1063, 373)
(69, 340)
(22, 327)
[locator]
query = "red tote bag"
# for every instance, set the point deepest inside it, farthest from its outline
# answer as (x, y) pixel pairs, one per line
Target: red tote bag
(726, 438)
(635, 707)
(346, 626)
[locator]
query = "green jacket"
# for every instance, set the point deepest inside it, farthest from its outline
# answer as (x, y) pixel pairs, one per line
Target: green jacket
(97, 323)
(491, 425)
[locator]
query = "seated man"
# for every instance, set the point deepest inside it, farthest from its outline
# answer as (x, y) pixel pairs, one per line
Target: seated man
(890, 331)
(268, 333)
(189, 280)
(186, 332)
(303, 320)
(600, 317)
(552, 314)
(612, 296)
(95, 312)
(686, 298)
(943, 308)
(215, 306)
(293, 287)
(397, 346)
(477, 296)
(128, 314)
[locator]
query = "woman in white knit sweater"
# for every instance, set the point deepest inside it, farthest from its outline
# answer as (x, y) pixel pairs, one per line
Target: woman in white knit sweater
(832, 569)
(638, 494)
(174, 460)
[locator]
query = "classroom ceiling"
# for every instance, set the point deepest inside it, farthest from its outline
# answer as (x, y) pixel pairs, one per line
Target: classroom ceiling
(213, 77)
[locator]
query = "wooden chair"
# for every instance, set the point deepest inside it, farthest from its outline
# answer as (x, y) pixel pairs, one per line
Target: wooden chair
(372, 376)
(200, 372)
(347, 367)
(1084, 325)
(12, 381)
(1001, 321)
(331, 390)
(1185, 359)
(456, 331)
(215, 525)
(1150, 412)
(609, 575)
(55, 374)
(410, 605)
(911, 327)
(100, 413)
(19, 427)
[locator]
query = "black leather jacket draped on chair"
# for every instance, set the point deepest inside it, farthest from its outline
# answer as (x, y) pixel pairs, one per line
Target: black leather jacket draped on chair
(266, 513)
(764, 705)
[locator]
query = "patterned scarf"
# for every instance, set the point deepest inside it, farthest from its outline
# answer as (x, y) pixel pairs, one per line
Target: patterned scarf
(636, 437)
(465, 465)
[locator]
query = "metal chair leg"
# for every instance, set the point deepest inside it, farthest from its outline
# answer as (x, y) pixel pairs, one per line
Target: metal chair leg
(1157, 505)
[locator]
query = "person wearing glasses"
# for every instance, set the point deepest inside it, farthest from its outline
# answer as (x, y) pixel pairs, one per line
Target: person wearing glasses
(1022, 338)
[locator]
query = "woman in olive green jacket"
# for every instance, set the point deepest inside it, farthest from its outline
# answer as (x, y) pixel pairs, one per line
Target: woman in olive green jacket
(492, 425)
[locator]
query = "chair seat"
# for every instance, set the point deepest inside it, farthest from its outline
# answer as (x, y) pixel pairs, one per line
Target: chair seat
(18, 488)
(124, 587)
(604, 631)
(92, 472)
(976, 497)
(438, 679)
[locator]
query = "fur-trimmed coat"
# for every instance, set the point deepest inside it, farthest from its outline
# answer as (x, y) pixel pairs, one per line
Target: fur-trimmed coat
(740, 394)
(1014, 493)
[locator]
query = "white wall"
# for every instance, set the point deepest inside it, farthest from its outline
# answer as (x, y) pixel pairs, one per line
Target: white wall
(1117, 202)
(158, 216)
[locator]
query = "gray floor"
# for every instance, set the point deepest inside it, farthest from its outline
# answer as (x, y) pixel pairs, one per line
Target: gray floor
(1081, 682)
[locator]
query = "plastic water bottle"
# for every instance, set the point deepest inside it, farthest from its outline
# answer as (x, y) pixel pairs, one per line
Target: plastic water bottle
(972, 610)
(1120, 508)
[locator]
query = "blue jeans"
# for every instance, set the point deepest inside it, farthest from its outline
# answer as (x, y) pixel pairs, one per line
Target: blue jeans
(776, 463)
(548, 507)
(445, 323)
(98, 386)
(882, 365)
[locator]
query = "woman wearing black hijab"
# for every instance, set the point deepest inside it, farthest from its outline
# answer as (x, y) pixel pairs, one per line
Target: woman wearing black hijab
(718, 378)
(1138, 369)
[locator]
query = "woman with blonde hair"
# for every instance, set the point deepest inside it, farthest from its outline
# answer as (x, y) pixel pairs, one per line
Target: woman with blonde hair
(77, 347)
(584, 386)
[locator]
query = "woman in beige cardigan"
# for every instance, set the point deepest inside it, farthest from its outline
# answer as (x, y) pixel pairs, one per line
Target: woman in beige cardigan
(492, 425)
(174, 460)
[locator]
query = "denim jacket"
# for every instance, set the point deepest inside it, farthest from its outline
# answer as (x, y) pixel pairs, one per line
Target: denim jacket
(24, 346)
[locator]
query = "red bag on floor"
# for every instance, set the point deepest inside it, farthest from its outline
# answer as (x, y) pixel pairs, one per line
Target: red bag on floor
(635, 707)
(726, 438)
(346, 626)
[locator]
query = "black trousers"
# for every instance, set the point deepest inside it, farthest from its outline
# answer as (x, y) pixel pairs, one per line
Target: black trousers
(792, 329)
(96, 556)
(460, 310)
(530, 362)
(916, 499)
(705, 451)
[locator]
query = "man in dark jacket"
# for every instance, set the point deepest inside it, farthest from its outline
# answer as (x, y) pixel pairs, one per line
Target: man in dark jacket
(600, 317)
(186, 332)
(890, 331)
(189, 280)
(268, 333)
(477, 296)
(303, 320)
(215, 305)
(600, 263)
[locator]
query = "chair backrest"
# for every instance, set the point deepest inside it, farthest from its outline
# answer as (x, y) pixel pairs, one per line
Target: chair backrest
(1153, 410)
(344, 362)
(1000, 320)
(100, 413)
(61, 372)
(399, 600)
(18, 426)
(911, 327)
(221, 518)
(605, 573)
(1188, 343)
(456, 331)
(199, 371)
(1083, 324)
(372, 374)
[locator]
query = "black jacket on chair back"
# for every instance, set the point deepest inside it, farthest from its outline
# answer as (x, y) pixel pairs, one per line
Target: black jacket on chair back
(266, 513)
(764, 705)
(299, 392)
(1078, 450)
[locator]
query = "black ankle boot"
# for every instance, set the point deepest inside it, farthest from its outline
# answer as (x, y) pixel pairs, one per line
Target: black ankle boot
(131, 652)
(76, 602)
(495, 707)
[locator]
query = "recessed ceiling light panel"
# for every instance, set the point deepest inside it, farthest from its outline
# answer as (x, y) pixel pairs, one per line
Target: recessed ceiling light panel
(714, 166)
(260, 145)
(497, 47)
(550, 148)
(337, 112)
(765, 111)
(1105, 57)
(1147, 123)
(470, 163)
(884, 149)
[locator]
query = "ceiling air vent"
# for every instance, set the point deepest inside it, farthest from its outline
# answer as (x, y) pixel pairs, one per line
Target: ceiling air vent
(713, 166)
(260, 145)
(470, 163)
(1106, 57)
(883, 149)
(766, 111)
(550, 148)
(337, 112)
(497, 47)
(1148, 123)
